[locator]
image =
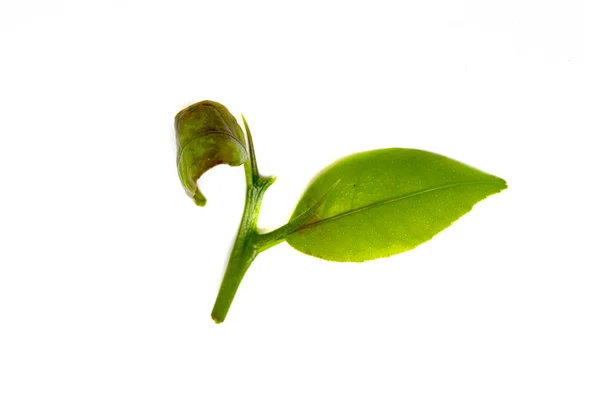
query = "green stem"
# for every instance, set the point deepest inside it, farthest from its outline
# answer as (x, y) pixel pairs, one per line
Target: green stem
(246, 246)
(244, 250)
(249, 243)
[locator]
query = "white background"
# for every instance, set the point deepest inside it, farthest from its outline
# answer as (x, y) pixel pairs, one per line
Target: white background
(108, 272)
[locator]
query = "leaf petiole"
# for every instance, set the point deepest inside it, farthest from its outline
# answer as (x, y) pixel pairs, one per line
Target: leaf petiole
(270, 239)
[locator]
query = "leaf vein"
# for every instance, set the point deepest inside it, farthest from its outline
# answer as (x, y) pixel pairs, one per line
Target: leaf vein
(394, 199)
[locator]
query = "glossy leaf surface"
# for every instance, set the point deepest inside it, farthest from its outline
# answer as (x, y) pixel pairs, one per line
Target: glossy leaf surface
(207, 135)
(387, 201)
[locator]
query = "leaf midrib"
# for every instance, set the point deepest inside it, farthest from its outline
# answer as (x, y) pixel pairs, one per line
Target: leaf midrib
(394, 199)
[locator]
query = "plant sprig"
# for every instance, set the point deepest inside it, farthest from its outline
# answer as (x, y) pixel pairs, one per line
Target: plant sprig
(365, 206)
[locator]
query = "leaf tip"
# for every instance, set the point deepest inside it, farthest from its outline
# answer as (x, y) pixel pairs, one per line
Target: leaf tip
(502, 185)
(199, 199)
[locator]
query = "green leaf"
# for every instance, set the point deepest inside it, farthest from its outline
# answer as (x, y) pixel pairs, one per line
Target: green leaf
(388, 201)
(207, 135)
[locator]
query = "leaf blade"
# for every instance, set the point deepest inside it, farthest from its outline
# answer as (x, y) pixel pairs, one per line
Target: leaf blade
(391, 201)
(207, 135)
